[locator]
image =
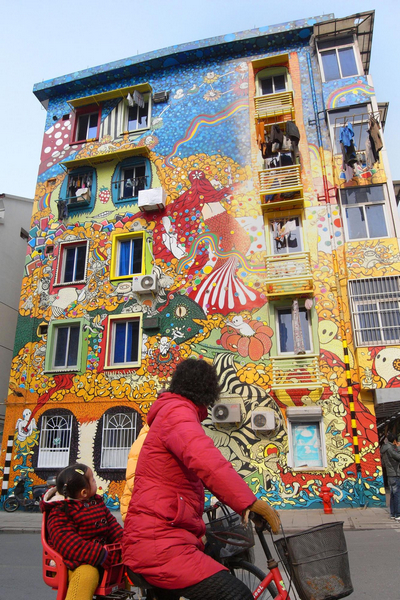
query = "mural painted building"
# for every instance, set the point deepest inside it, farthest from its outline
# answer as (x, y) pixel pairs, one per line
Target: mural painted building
(229, 200)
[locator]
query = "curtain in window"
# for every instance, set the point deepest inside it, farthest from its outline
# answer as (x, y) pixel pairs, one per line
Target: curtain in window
(124, 254)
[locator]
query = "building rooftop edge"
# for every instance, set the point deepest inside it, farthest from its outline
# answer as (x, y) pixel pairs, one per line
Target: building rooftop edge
(42, 90)
(11, 197)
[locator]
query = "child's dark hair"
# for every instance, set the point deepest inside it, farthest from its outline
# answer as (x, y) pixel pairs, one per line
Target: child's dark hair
(71, 480)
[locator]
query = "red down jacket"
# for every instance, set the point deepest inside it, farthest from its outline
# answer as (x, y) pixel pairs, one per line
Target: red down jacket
(164, 524)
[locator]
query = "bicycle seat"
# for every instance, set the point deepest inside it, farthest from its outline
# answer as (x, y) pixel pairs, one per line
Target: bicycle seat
(137, 580)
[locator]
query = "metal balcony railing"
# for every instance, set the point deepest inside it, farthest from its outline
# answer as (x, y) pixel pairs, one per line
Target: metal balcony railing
(296, 371)
(274, 105)
(289, 274)
(280, 180)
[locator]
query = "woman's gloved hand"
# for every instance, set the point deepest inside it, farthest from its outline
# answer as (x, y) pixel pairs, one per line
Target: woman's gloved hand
(270, 514)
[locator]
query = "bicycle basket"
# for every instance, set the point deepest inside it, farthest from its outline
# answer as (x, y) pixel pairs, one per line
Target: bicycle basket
(317, 561)
(227, 536)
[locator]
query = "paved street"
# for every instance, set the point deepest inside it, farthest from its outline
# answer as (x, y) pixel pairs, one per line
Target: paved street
(374, 561)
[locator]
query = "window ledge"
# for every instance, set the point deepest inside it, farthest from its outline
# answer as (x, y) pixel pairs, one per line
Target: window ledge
(122, 367)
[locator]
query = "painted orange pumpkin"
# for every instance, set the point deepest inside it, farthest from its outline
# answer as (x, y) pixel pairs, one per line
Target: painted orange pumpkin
(253, 346)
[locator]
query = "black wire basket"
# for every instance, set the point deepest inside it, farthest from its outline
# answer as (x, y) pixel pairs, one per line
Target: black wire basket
(317, 561)
(227, 536)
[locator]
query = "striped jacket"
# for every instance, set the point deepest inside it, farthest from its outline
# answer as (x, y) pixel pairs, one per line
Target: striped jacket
(79, 529)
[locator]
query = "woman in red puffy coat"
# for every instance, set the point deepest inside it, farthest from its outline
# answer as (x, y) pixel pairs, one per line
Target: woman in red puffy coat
(164, 525)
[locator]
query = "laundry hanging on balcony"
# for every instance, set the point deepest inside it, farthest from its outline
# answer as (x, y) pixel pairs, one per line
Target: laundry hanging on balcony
(62, 210)
(374, 139)
(282, 231)
(346, 137)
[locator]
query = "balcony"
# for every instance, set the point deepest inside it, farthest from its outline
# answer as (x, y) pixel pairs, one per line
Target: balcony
(274, 107)
(281, 180)
(289, 274)
(296, 371)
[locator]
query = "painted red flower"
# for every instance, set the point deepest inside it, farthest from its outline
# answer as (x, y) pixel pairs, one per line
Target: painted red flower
(248, 338)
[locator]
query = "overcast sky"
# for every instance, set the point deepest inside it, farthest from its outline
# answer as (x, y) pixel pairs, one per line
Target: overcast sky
(47, 38)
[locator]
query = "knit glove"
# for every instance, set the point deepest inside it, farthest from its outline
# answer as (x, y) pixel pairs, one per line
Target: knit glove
(268, 513)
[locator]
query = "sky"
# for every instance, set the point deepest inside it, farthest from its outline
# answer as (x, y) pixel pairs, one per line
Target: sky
(48, 38)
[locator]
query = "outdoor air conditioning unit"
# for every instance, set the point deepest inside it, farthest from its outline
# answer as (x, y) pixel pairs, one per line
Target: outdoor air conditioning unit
(226, 413)
(152, 199)
(145, 284)
(262, 420)
(159, 97)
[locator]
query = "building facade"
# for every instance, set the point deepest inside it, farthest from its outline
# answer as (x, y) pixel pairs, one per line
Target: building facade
(15, 218)
(228, 200)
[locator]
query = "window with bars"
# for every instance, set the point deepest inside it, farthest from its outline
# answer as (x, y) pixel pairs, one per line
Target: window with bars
(119, 432)
(72, 263)
(55, 441)
(375, 310)
(130, 177)
(364, 212)
(78, 189)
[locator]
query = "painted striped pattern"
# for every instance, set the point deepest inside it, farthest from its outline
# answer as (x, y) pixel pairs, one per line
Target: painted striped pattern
(7, 464)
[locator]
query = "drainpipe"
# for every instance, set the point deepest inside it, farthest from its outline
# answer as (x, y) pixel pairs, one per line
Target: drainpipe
(359, 480)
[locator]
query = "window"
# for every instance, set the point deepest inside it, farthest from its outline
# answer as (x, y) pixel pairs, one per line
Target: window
(338, 58)
(86, 124)
(123, 342)
(375, 310)
(138, 117)
(286, 235)
(285, 329)
(66, 346)
(127, 255)
(272, 81)
(358, 116)
(55, 441)
(306, 438)
(79, 189)
(364, 212)
(72, 263)
(119, 433)
(130, 176)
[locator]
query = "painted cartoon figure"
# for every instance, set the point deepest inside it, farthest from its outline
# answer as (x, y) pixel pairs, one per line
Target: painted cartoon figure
(25, 426)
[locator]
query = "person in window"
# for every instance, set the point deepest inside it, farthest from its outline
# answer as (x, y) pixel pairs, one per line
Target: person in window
(164, 528)
(79, 525)
(391, 461)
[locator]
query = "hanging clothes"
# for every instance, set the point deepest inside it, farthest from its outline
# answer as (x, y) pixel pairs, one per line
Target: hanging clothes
(349, 155)
(346, 135)
(292, 131)
(260, 133)
(276, 135)
(138, 99)
(374, 128)
(130, 100)
(298, 340)
(62, 209)
(369, 153)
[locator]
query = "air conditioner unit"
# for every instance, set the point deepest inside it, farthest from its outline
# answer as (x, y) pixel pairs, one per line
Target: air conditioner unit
(144, 284)
(159, 97)
(152, 199)
(226, 413)
(262, 420)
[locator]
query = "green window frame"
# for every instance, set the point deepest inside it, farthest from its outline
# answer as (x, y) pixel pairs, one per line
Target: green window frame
(67, 345)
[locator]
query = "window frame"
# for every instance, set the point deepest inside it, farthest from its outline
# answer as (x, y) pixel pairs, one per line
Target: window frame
(41, 449)
(52, 336)
(133, 415)
(297, 415)
(271, 245)
(268, 72)
(147, 96)
(386, 212)
(115, 254)
(86, 205)
(379, 299)
(355, 120)
(285, 306)
(60, 271)
(81, 112)
(116, 180)
(110, 345)
(336, 45)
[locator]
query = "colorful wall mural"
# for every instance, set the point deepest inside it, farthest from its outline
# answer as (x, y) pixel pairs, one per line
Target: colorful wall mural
(207, 249)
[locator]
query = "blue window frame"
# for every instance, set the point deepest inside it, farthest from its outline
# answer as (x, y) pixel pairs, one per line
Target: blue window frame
(79, 189)
(130, 176)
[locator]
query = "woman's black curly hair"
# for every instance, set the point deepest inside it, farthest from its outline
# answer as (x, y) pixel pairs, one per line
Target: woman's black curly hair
(196, 380)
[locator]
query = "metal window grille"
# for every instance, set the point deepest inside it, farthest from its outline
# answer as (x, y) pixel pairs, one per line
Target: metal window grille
(375, 310)
(55, 441)
(119, 433)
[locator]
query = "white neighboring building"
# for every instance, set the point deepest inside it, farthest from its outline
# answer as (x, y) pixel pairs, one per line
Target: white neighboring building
(15, 218)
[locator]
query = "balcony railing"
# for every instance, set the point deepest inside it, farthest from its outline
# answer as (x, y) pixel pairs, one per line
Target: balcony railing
(289, 274)
(274, 105)
(280, 180)
(296, 371)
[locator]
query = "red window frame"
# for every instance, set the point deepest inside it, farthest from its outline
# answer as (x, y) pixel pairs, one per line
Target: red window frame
(84, 110)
